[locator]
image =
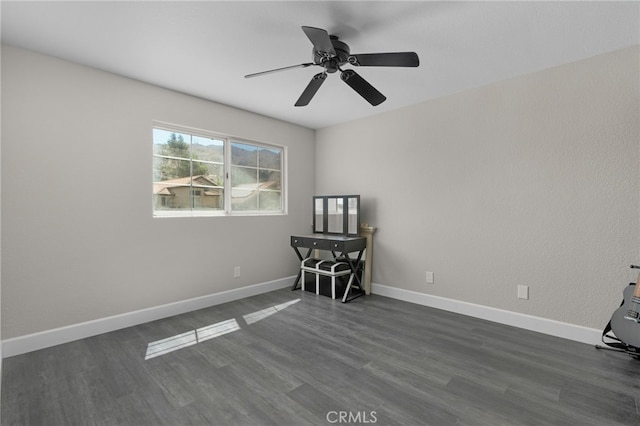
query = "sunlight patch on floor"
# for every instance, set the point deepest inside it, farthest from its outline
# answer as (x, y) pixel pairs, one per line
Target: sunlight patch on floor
(193, 337)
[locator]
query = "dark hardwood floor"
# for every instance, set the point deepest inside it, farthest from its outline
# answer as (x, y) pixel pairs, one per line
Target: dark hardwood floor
(262, 360)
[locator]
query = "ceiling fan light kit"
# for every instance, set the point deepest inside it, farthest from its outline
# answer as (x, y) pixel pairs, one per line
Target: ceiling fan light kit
(331, 54)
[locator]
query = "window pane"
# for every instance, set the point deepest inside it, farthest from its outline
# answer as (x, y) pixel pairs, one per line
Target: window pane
(207, 198)
(269, 200)
(171, 144)
(213, 172)
(269, 180)
(205, 149)
(244, 188)
(257, 184)
(244, 175)
(270, 158)
(244, 200)
(244, 155)
(170, 169)
(207, 191)
(171, 196)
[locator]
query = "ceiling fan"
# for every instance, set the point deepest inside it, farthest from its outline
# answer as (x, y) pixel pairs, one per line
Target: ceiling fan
(331, 54)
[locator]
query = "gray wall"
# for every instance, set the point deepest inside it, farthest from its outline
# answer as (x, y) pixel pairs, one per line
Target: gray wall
(532, 181)
(1, 358)
(78, 238)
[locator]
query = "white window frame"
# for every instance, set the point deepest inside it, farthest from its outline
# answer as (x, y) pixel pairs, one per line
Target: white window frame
(227, 209)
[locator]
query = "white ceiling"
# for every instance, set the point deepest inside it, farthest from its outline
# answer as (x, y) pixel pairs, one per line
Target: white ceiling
(205, 48)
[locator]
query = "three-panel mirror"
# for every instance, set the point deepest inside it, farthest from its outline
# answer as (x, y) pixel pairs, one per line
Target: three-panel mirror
(336, 214)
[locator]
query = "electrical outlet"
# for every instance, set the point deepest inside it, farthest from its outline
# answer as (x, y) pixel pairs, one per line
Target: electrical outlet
(236, 272)
(523, 292)
(429, 277)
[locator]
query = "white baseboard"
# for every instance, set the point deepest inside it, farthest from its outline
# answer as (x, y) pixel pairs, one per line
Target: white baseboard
(57, 336)
(528, 322)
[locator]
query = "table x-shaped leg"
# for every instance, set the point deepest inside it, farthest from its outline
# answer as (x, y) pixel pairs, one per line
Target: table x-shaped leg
(353, 276)
(297, 281)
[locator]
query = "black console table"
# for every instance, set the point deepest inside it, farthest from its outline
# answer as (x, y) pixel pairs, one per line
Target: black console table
(340, 246)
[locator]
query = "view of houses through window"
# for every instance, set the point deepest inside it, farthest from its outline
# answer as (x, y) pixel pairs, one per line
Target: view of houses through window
(216, 175)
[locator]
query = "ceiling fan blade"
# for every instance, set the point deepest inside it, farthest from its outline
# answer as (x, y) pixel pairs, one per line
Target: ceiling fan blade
(278, 69)
(396, 59)
(311, 89)
(320, 40)
(361, 86)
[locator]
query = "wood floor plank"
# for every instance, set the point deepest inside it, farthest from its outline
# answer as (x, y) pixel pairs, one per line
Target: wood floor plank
(294, 358)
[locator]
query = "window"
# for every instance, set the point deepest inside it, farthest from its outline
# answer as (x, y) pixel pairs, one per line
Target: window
(199, 173)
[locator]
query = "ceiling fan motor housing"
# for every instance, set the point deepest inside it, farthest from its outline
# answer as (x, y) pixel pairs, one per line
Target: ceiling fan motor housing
(331, 63)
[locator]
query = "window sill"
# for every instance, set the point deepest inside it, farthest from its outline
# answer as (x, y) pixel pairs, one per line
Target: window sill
(171, 214)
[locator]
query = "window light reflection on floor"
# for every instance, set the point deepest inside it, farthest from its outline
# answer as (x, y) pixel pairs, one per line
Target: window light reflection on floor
(257, 316)
(170, 344)
(215, 330)
(193, 337)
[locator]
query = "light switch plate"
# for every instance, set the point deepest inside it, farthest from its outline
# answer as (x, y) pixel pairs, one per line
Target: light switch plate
(429, 277)
(523, 292)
